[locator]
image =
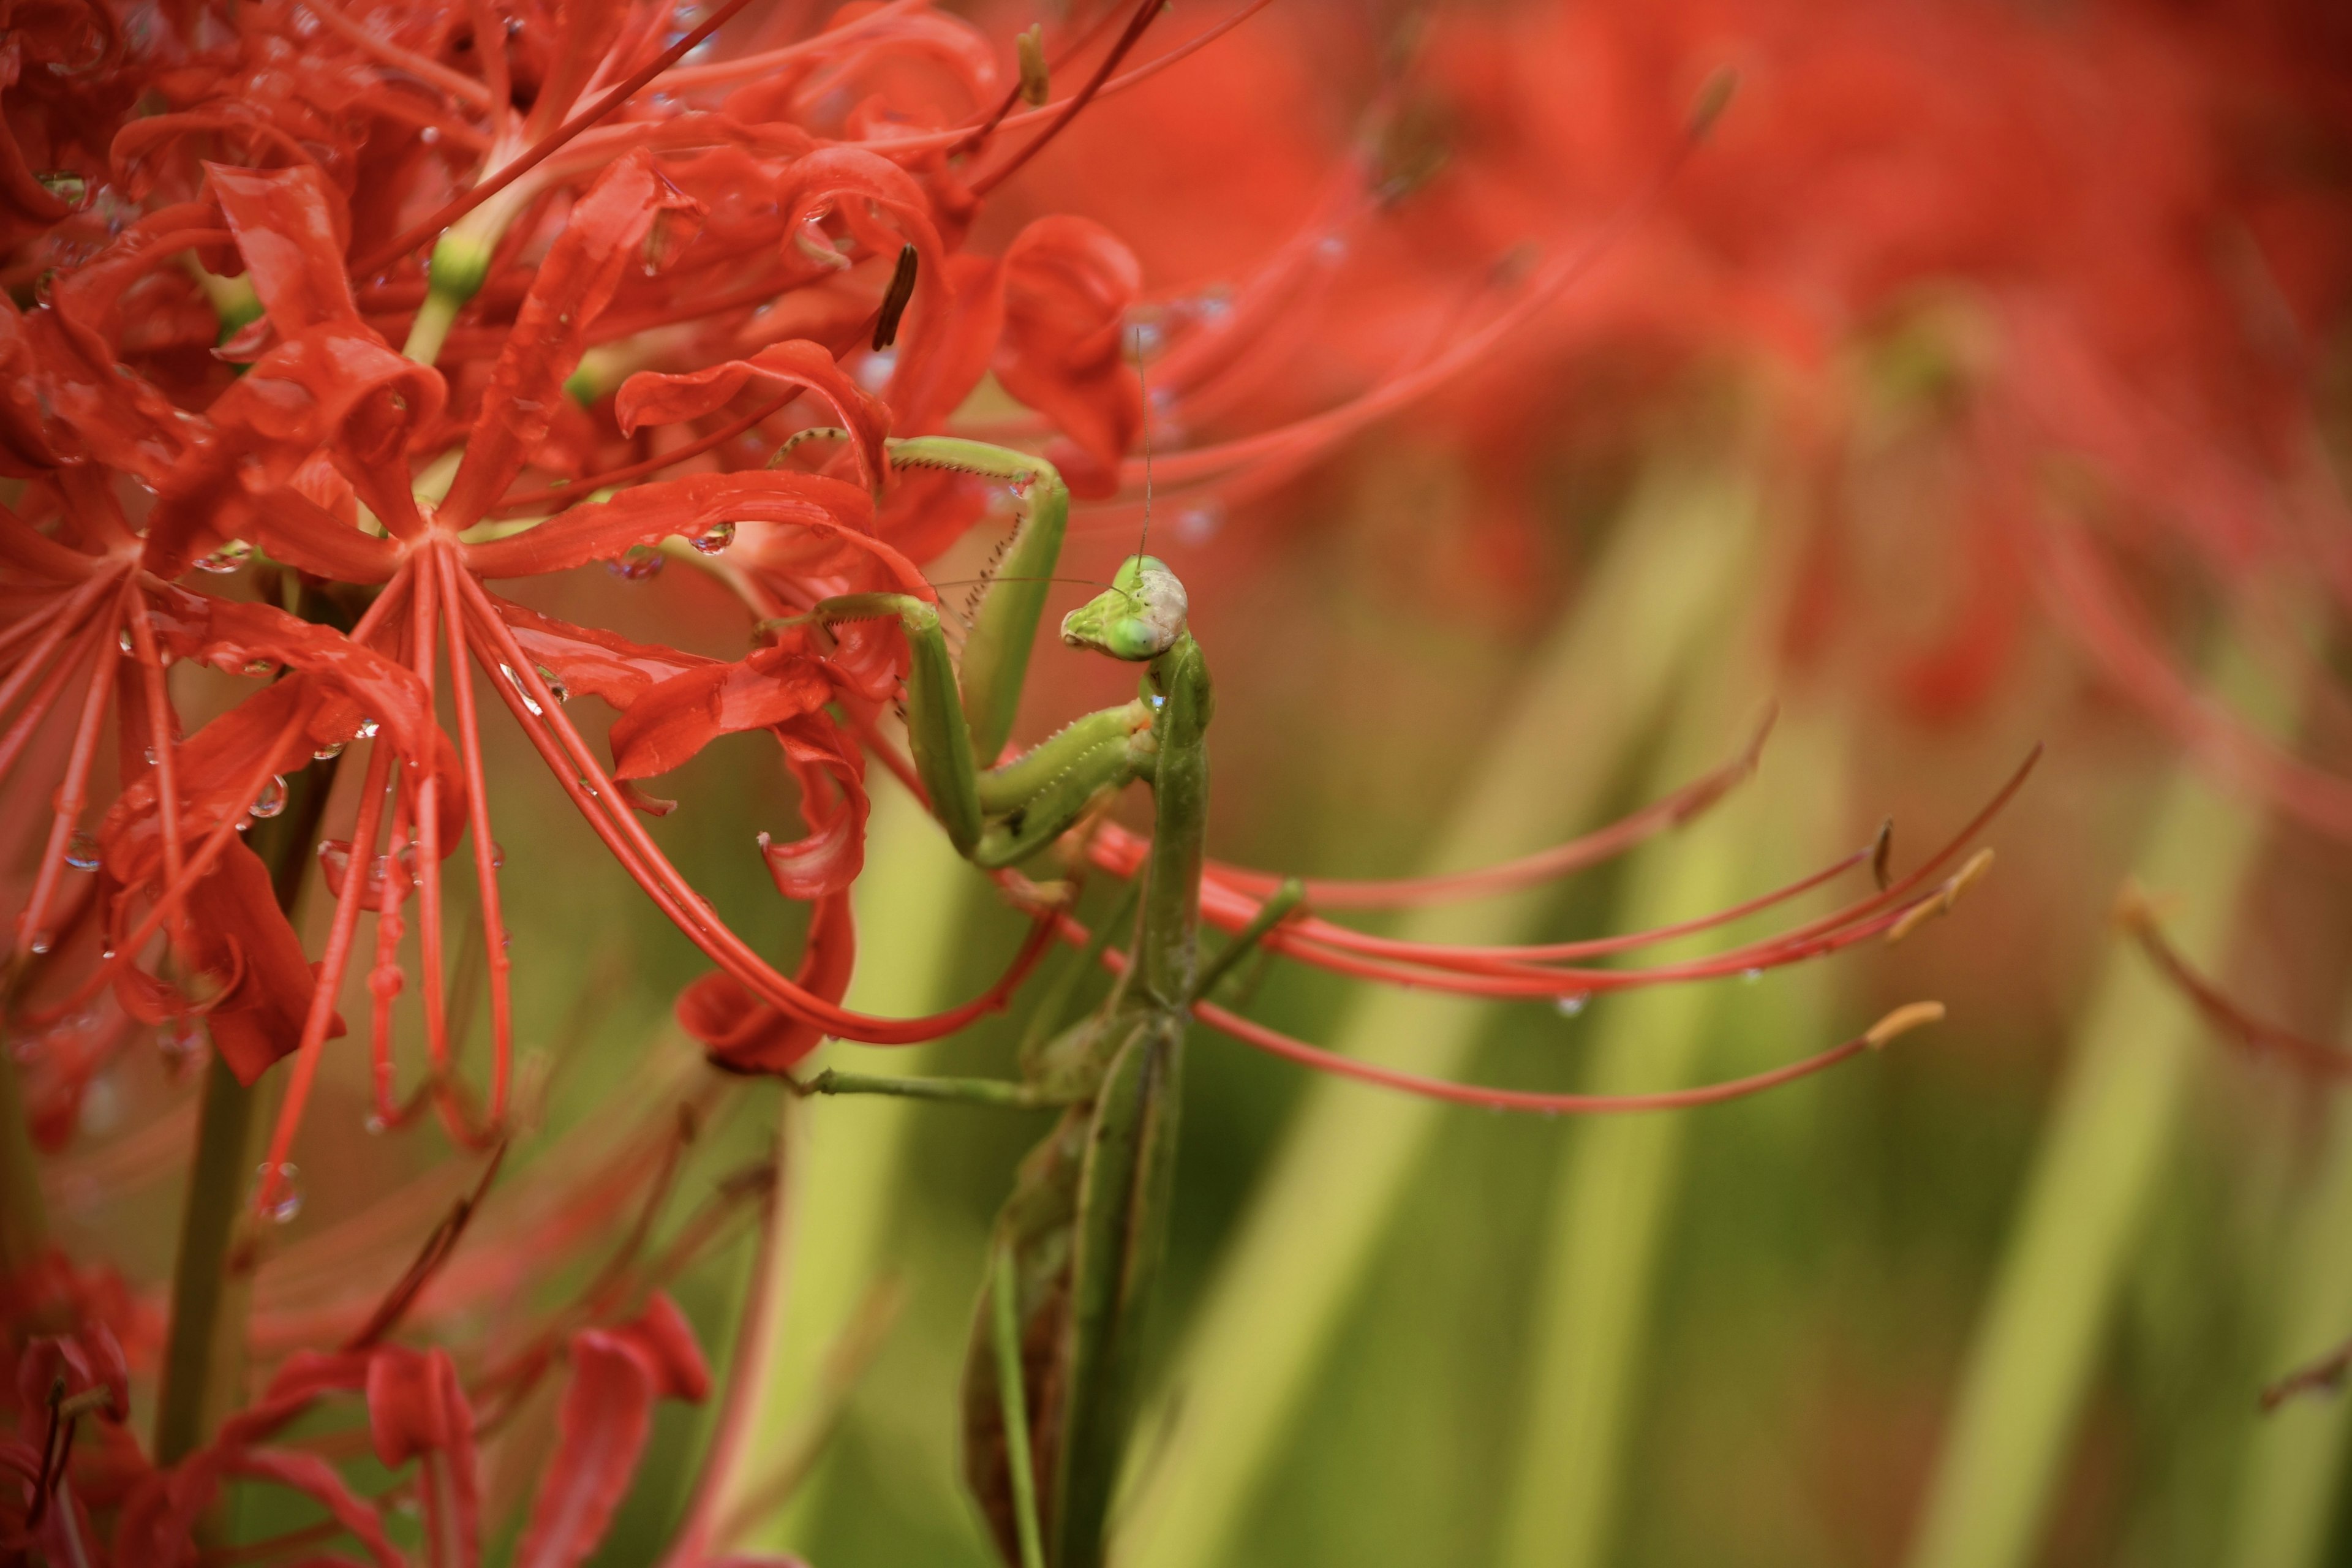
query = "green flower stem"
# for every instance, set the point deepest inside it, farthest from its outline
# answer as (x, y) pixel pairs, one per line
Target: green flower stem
(836, 1207)
(212, 1277)
(24, 1216)
(1266, 1326)
(2109, 1135)
(1614, 1205)
(2290, 1479)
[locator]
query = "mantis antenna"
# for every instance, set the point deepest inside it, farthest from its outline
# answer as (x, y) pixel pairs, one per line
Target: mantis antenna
(1145, 385)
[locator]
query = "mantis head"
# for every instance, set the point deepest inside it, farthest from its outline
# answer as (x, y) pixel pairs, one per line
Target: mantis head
(1138, 618)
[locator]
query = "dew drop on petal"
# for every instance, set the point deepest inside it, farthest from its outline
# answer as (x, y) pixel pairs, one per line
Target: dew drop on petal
(286, 1201)
(327, 753)
(516, 681)
(636, 563)
(1570, 1005)
(101, 1107)
(429, 135)
(81, 852)
(258, 667)
(122, 639)
(714, 539)
(271, 800)
(43, 940)
(498, 854)
(366, 731)
(555, 687)
(181, 1042)
(151, 756)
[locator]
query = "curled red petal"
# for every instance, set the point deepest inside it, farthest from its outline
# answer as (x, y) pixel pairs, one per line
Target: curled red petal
(742, 1034)
(651, 397)
(1068, 282)
(601, 1430)
(831, 772)
(260, 1018)
(691, 507)
(590, 660)
(293, 228)
(676, 719)
(606, 233)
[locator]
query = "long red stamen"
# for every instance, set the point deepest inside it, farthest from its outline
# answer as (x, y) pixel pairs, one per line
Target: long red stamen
(56, 674)
(582, 777)
(1144, 12)
(71, 795)
(485, 865)
(328, 985)
(573, 494)
(530, 159)
(164, 747)
(422, 655)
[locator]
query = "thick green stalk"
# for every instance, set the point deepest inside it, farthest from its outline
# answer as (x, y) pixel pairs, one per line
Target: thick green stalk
(1266, 1326)
(2290, 1482)
(24, 1216)
(1613, 1203)
(909, 902)
(212, 1277)
(2109, 1136)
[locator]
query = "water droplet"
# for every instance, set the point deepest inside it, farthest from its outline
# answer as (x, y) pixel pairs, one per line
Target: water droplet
(285, 1196)
(498, 854)
(81, 852)
(1158, 699)
(271, 800)
(521, 690)
(429, 135)
(1570, 1005)
(1750, 976)
(43, 940)
(181, 1042)
(149, 755)
(1197, 524)
(1144, 337)
(122, 639)
(101, 1107)
(327, 753)
(555, 687)
(636, 563)
(366, 731)
(714, 539)
(258, 667)
(228, 558)
(376, 1124)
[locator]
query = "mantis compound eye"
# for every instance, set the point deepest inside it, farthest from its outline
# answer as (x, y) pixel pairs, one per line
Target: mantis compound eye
(1138, 618)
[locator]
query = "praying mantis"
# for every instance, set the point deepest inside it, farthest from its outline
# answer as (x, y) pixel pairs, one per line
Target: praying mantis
(1076, 1249)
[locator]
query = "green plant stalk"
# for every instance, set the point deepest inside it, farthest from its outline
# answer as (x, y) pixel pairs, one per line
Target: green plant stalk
(1266, 1325)
(23, 1216)
(2289, 1487)
(2110, 1131)
(909, 902)
(212, 1277)
(1614, 1202)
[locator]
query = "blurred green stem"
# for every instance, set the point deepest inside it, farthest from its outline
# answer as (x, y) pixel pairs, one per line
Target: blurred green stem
(835, 1209)
(1614, 1202)
(2109, 1133)
(212, 1277)
(24, 1216)
(1280, 1294)
(2290, 1481)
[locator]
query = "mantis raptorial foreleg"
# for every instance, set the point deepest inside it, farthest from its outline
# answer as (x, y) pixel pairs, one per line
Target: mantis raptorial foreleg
(1078, 1247)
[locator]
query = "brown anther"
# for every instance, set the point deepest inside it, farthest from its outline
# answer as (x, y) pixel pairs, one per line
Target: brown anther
(1037, 87)
(1882, 850)
(894, 301)
(1902, 1021)
(1941, 903)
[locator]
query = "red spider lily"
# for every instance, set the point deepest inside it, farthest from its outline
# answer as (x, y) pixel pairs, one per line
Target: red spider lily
(2093, 229)
(331, 383)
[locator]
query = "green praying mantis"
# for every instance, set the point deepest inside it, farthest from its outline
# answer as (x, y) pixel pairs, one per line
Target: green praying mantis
(1049, 1383)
